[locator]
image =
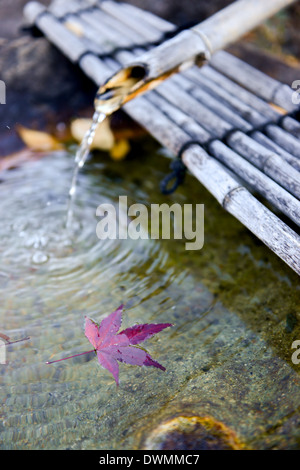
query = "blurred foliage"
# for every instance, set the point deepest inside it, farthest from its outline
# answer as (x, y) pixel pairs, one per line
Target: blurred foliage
(280, 35)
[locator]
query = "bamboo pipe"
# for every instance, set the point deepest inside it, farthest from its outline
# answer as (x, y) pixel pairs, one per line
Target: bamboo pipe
(192, 46)
(210, 94)
(264, 88)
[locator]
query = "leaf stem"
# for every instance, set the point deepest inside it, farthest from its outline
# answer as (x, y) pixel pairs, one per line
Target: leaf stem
(13, 342)
(70, 357)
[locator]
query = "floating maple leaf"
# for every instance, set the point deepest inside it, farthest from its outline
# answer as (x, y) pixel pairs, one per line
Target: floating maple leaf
(111, 346)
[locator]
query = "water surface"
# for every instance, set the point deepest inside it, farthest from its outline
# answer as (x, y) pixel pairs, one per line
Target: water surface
(234, 305)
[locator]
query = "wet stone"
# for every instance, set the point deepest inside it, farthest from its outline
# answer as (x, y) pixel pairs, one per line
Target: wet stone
(192, 433)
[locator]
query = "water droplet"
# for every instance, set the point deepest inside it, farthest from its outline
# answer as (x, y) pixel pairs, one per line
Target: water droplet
(72, 191)
(40, 258)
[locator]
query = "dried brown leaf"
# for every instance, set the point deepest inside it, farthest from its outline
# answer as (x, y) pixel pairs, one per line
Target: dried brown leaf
(38, 140)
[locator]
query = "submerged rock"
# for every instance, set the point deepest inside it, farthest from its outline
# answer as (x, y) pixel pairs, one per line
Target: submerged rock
(192, 433)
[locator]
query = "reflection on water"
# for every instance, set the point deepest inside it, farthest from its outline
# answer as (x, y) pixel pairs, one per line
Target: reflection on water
(227, 356)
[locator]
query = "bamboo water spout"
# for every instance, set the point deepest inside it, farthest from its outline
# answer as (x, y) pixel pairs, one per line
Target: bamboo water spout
(192, 46)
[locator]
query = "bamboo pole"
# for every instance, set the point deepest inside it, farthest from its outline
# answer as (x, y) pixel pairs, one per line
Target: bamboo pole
(61, 8)
(285, 140)
(55, 31)
(268, 161)
(249, 113)
(254, 80)
(270, 144)
(112, 25)
(208, 95)
(215, 77)
(139, 15)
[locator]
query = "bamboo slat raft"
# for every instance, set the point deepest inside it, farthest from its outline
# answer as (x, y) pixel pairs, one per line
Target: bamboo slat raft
(220, 114)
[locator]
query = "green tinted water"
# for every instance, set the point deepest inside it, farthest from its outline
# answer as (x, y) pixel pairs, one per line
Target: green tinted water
(235, 308)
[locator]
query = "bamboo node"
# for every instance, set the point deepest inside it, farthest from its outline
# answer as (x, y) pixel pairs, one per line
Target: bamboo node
(208, 46)
(228, 197)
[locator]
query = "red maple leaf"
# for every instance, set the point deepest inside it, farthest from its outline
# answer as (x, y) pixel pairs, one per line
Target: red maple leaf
(111, 346)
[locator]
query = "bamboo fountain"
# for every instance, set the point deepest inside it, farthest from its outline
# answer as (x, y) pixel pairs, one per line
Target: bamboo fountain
(226, 134)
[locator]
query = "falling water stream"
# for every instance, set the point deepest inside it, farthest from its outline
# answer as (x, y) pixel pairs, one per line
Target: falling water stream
(80, 159)
(109, 98)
